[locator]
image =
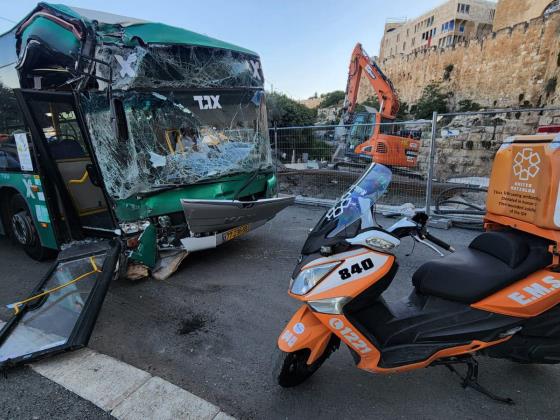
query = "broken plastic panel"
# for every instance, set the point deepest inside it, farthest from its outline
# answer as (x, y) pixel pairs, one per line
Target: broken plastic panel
(60, 313)
(219, 215)
(177, 138)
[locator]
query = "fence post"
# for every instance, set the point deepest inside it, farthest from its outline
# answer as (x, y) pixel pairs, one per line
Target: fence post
(275, 145)
(433, 146)
(276, 156)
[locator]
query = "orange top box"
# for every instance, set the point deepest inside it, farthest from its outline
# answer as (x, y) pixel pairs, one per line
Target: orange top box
(525, 181)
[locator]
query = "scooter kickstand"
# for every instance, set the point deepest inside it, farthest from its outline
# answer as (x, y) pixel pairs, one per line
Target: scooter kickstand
(471, 378)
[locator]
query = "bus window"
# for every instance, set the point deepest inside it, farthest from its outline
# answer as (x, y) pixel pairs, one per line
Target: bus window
(11, 122)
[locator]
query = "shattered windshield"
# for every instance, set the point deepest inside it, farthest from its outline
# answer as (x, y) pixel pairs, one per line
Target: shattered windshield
(356, 204)
(177, 138)
(177, 67)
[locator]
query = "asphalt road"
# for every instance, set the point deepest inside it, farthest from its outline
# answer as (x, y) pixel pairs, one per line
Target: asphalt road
(212, 329)
(25, 394)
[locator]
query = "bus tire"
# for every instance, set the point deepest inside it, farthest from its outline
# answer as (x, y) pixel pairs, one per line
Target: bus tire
(23, 231)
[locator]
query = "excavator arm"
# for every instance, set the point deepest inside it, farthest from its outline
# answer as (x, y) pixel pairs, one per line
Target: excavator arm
(362, 64)
(384, 144)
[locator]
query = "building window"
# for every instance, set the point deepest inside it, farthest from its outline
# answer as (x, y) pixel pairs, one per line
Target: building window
(451, 25)
(463, 8)
(462, 28)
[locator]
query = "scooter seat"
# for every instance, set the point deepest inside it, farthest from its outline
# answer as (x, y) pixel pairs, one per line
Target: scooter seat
(493, 261)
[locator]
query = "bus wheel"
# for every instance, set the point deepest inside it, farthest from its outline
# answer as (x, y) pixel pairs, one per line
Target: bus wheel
(23, 231)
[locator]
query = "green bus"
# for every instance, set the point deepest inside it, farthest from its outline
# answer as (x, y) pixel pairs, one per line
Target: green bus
(124, 146)
(114, 128)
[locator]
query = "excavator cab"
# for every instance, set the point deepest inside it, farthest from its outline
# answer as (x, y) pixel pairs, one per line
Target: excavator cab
(380, 143)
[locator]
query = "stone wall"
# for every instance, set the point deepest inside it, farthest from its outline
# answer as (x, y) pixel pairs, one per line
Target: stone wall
(466, 145)
(514, 66)
(512, 12)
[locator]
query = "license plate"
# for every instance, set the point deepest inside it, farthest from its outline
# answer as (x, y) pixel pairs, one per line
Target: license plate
(236, 232)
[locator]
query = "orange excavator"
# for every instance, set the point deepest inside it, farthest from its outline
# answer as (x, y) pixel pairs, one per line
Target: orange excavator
(382, 143)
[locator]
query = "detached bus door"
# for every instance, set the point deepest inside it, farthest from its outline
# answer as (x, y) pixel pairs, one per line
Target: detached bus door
(65, 154)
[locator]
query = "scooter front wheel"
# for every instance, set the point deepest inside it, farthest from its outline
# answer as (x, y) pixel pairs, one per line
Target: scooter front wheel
(291, 369)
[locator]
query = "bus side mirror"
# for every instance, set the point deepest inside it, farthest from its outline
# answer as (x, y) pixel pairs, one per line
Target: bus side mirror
(118, 117)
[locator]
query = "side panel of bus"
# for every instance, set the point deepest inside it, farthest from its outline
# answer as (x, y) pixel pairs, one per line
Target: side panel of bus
(30, 188)
(18, 175)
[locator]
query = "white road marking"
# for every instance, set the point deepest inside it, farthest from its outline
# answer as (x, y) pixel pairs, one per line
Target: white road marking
(104, 381)
(123, 390)
(158, 399)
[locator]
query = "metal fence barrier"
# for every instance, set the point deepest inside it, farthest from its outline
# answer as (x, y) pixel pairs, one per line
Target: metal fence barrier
(447, 175)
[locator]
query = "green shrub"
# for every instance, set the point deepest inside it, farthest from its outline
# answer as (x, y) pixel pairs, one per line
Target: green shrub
(335, 98)
(466, 105)
(432, 100)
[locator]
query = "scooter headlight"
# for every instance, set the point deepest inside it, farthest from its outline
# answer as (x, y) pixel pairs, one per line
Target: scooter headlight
(308, 278)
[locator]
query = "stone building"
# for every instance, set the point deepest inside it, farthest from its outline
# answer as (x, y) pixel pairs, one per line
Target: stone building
(515, 66)
(453, 22)
(512, 12)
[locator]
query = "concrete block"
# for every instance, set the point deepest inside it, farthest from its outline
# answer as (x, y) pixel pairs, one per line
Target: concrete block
(98, 378)
(159, 399)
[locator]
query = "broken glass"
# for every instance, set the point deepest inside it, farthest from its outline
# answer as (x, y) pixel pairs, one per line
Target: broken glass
(178, 137)
(176, 67)
(49, 321)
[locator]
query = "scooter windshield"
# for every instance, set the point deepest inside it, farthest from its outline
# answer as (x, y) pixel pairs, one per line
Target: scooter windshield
(356, 204)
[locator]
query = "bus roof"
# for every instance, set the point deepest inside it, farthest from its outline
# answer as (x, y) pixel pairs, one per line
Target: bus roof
(134, 29)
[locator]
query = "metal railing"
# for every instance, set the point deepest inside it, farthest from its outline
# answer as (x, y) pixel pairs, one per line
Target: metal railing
(321, 163)
(447, 175)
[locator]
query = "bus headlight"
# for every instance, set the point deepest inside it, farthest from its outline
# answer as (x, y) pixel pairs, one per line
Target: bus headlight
(308, 278)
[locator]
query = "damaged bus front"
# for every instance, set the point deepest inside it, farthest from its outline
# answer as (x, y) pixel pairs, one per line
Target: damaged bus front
(123, 144)
(140, 130)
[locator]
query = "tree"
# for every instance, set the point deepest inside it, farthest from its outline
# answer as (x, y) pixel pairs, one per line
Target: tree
(432, 100)
(466, 105)
(8, 107)
(403, 113)
(371, 102)
(286, 112)
(332, 99)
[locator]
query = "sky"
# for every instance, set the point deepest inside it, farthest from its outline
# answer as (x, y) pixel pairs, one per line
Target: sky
(305, 45)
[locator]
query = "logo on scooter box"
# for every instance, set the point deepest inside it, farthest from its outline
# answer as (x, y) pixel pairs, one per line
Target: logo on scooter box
(526, 164)
(535, 291)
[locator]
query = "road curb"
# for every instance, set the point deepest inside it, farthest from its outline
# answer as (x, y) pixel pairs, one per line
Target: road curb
(122, 390)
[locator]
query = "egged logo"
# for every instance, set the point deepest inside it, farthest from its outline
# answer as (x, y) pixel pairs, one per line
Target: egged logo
(526, 164)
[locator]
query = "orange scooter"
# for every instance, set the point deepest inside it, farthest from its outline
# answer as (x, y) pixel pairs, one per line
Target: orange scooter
(498, 297)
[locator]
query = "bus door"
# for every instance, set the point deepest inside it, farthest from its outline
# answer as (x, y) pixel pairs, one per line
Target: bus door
(66, 156)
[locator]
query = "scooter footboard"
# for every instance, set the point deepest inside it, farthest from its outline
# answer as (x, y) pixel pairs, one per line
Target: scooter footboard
(305, 331)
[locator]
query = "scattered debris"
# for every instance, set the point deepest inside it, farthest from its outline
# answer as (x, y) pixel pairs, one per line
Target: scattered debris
(136, 272)
(168, 263)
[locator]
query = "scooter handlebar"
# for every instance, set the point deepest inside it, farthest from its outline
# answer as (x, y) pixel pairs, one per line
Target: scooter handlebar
(439, 242)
